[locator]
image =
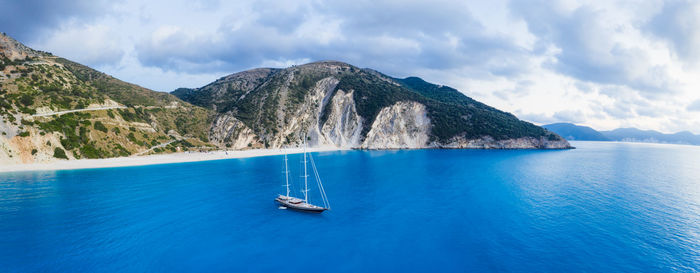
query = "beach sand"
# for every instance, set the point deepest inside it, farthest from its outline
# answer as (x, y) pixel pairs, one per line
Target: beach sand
(154, 159)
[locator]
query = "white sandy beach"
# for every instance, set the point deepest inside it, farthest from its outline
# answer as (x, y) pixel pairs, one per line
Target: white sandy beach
(154, 159)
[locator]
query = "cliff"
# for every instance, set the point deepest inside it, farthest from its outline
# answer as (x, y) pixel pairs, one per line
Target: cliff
(337, 104)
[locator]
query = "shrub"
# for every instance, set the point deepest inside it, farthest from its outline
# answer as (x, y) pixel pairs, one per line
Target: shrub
(88, 150)
(131, 137)
(59, 153)
(119, 150)
(26, 100)
(100, 127)
(24, 134)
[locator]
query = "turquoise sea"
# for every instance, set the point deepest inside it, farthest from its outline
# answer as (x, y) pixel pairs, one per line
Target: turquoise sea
(603, 207)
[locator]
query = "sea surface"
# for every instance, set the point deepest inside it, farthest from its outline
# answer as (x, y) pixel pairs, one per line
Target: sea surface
(603, 207)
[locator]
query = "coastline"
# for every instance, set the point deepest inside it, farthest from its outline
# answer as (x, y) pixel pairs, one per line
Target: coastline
(155, 159)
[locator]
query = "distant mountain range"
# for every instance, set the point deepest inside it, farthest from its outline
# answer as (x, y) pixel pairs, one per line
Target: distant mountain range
(576, 132)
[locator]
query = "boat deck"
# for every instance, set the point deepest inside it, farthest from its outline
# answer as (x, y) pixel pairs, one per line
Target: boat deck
(298, 204)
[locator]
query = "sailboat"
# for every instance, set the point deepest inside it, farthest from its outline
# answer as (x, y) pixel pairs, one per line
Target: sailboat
(295, 203)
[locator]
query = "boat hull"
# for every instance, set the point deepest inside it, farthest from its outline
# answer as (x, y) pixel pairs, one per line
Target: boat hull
(289, 203)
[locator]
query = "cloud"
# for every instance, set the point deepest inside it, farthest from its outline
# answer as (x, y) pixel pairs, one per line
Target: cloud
(389, 36)
(568, 116)
(538, 118)
(27, 20)
(572, 116)
(589, 44)
(694, 106)
(99, 44)
(620, 110)
(603, 63)
(678, 24)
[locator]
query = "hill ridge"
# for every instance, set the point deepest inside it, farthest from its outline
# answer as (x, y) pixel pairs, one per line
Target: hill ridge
(267, 103)
(86, 122)
(52, 108)
(626, 134)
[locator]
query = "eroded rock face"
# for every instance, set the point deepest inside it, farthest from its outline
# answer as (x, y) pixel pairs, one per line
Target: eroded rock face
(318, 102)
(35, 148)
(15, 50)
(343, 127)
(404, 125)
(306, 121)
(227, 129)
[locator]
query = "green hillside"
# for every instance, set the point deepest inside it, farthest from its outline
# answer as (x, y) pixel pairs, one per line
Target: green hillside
(254, 98)
(34, 84)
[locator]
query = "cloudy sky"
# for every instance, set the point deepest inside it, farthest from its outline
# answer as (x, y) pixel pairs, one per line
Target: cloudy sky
(605, 64)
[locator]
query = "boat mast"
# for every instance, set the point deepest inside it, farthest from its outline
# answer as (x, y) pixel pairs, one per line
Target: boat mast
(306, 176)
(286, 172)
(326, 204)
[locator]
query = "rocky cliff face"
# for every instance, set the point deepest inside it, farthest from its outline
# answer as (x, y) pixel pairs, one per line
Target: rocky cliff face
(336, 104)
(227, 130)
(343, 127)
(14, 50)
(404, 125)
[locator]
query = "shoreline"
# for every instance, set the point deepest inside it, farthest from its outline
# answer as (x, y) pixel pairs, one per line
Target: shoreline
(155, 159)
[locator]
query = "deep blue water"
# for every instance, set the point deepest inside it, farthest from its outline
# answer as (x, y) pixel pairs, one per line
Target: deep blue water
(604, 207)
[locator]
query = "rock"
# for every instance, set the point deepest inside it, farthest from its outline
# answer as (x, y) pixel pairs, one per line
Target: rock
(404, 125)
(227, 129)
(343, 126)
(488, 142)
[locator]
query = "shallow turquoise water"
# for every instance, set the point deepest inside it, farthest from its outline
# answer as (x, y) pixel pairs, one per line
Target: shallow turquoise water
(604, 207)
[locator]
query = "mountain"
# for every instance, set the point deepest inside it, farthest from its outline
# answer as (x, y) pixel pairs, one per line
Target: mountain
(636, 135)
(337, 104)
(107, 117)
(575, 132)
(52, 108)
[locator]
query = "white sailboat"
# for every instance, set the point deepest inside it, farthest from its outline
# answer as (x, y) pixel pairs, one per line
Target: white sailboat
(295, 203)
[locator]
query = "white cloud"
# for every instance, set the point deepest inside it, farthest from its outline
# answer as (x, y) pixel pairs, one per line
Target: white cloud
(679, 25)
(92, 45)
(694, 106)
(605, 64)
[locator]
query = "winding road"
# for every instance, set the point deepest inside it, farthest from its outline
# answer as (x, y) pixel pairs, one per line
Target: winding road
(78, 110)
(154, 147)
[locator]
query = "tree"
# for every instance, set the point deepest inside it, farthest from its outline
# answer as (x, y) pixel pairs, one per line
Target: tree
(59, 153)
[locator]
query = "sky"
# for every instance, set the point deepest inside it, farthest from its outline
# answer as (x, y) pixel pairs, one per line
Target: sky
(605, 64)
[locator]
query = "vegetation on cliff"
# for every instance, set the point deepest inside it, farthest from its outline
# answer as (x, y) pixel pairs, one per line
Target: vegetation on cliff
(51, 107)
(271, 97)
(34, 85)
